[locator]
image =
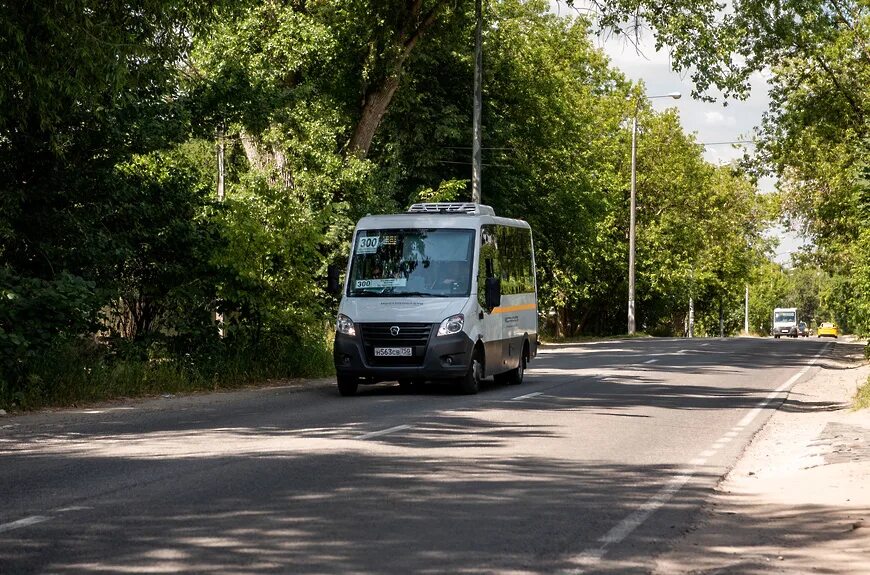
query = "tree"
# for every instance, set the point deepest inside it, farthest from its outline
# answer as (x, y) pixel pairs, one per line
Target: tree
(815, 139)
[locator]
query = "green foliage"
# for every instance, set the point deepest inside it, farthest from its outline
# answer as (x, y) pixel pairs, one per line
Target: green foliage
(816, 140)
(556, 153)
(271, 260)
(815, 136)
(447, 191)
(162, 242)
(120, 265)
(35, 313)
(819, 297)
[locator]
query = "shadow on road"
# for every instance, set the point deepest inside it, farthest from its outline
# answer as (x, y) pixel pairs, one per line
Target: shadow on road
(273, 492)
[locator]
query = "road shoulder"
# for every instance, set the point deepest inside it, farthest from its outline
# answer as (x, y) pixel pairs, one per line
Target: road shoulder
(798, 499)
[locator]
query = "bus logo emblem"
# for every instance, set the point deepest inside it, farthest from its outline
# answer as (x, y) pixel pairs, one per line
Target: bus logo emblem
(394, 331)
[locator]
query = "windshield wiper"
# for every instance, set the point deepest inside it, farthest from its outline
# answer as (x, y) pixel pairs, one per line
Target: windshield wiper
(389, 292)
(367, 294)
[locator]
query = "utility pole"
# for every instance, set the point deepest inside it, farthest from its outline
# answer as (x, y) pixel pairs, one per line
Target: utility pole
(631, 224)
(691, 317)
(746, 314)
(221, 193)
(478, 82)
(221, 177)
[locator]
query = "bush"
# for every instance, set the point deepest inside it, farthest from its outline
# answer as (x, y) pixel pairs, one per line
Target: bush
(82, 371)
(36, 313)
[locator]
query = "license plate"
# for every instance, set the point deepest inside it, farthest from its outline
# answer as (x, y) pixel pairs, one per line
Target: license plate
(393, 352)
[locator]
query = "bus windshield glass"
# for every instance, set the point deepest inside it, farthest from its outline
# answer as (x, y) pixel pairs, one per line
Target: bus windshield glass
(784, 317)
(412, 263)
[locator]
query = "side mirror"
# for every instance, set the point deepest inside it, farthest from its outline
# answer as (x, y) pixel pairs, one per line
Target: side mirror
(493, 293)
(333, 286)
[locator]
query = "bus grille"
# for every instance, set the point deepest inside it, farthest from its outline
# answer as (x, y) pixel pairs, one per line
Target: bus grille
(413, 335)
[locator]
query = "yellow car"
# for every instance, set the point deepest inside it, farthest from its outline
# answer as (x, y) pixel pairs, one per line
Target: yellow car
(828, 329)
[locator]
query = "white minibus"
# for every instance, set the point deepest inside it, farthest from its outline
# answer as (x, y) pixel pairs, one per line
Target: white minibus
(445, 291)
(785, 322)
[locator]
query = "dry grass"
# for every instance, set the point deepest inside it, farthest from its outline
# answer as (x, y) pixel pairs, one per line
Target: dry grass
(862, 398)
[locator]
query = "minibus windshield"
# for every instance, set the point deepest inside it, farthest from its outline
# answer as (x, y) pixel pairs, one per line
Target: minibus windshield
(783, 316)
(412, 263)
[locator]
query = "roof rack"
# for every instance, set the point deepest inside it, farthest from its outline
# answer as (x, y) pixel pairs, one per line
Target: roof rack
(451, 208)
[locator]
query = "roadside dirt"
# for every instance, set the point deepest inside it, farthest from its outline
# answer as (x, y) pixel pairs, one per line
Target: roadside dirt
(798, 500)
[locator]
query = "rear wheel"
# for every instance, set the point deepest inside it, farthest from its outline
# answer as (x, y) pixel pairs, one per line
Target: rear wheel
(470, 382)
(515, 376)
(347, 386)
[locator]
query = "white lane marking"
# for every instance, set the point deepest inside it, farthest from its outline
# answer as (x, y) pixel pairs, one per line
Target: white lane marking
(635, 519)
(705, 344)
(27, 521)
(747, 419)
(382, 432)
(651, 361)
(527, 396)
(74, 508)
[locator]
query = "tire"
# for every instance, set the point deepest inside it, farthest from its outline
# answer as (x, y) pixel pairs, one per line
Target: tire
(470, 382)
(347, 386)
(515, 376)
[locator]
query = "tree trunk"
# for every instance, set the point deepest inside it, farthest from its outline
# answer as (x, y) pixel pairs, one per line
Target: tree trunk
(252, 151)
(374, 107)
(270, 160)
(379, 96)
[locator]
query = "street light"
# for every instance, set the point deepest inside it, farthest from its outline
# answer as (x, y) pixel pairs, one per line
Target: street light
(631, 226)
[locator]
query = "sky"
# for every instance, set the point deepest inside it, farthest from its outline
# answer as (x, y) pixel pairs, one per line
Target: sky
(711, 123)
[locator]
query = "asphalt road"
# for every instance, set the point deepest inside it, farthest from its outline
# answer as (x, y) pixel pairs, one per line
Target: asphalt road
(593, 465)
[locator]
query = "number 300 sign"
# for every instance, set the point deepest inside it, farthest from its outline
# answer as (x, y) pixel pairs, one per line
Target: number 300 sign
(367, 245)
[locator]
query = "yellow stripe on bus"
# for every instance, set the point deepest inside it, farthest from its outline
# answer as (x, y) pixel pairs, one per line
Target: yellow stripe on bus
(524, 307)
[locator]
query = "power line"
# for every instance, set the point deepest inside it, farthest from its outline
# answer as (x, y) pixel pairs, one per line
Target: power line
(724, 143)
(469, 148)
(468, 163)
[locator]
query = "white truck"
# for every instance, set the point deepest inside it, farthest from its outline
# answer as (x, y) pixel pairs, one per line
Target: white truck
(785, 322)
(446, 291)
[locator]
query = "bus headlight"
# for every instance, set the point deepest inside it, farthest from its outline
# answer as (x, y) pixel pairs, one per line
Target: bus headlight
(344, 325)
(451, 325)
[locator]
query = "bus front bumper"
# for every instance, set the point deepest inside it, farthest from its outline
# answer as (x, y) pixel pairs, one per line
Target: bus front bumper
(445, 357)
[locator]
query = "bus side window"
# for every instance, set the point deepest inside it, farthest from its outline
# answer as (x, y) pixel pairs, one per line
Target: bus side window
(489, 265)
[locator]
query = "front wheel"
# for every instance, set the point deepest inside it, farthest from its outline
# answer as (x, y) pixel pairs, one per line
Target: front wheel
(470, 382)
(347, 386)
